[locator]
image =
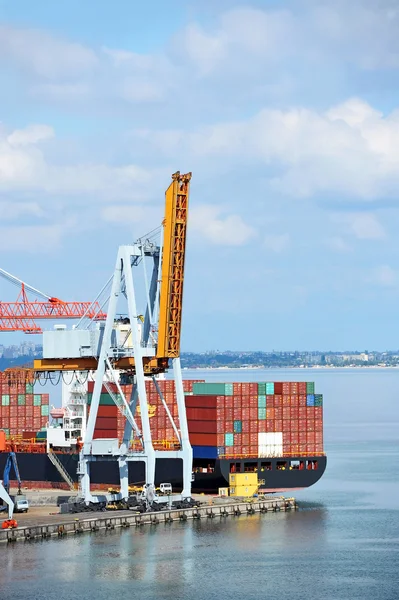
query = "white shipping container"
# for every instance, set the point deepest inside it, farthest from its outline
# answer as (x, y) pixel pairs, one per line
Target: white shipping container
(270, 444)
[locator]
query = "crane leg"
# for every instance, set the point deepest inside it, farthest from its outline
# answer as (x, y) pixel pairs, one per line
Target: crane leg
(7, 500)
(186, 450)
(124, 477)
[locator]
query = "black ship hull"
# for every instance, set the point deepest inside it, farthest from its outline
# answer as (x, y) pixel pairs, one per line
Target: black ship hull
(209, 474)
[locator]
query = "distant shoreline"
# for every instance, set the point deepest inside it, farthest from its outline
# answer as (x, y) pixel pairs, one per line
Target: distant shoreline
(299, 368)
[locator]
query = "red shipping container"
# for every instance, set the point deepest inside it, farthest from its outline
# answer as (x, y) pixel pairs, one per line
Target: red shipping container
(237, 389)
(278, 401)
(237, 402)
(293, 387)
(294, 413)
(269, 401)
(262, 426)
(302, 449)
(245, 439)
(270, 413)
(253, 389)
(270, 425)
(286, 437)
(253, 426)
(229, 414)
(302, 412)
(310, 438)
(202, 427)
(303, 437)
(253, 413)
(234, 450)
(105, 433)
(286, 412)
(302, 387)
(245, 387)
(318, 438)
(302, 425)
(201, 401)
(245, 427)
(228, 402)
(14, 410)
(229, 427)
(294, 437)
(286, 388)
(286, 449)
(278, 388)
(318, 412)
(250, 401)
(318, 426)
(310, 449)
(106, 423)
(294, 400)
(318, 449)
(245, 413)
(203, 439)
(254, 451)
(278, 412)
(286, 400)
(311, 426)
(302, 400)
(220, 439)
(104, 390)
(219, 426)
(201, 414)
(107, 411)
(278, 424)
(238, 439)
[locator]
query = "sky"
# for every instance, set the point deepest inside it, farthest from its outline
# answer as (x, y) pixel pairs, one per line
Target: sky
(285, 112)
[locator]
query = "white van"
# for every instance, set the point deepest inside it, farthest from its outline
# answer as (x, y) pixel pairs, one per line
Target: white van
(165, 488)
(21, 504)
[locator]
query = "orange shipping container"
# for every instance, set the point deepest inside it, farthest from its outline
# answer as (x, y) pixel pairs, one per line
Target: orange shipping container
(203, 439)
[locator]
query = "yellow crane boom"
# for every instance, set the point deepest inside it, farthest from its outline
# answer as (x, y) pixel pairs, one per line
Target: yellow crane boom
(172, 270)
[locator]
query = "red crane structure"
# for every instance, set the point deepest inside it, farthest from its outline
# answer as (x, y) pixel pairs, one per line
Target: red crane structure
(22, 314)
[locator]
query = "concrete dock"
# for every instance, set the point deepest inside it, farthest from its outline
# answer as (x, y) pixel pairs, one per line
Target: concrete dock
(38, 527)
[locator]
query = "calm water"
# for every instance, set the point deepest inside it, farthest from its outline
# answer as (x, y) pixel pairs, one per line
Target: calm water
(343, 545)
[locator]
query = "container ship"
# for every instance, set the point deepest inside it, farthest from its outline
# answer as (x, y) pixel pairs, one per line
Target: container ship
(273, 428)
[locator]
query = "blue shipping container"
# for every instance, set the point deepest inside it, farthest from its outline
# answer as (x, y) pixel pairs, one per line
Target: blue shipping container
(310, 400)
(237, 427)
(205, 452)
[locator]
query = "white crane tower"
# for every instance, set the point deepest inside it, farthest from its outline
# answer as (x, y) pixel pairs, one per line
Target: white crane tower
(154, 348)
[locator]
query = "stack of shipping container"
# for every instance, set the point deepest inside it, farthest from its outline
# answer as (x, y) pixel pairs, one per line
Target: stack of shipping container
(22, 412)
(230, 419)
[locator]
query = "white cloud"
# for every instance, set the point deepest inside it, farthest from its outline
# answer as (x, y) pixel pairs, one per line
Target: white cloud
(11, 210)
(230, 230)
(24, 166)
(31, 238)
(277, 243)
(350, 149)
(44, 54)
(384, 276)
(30, 135)
(338, 244)
(367, 227)
(363, 226)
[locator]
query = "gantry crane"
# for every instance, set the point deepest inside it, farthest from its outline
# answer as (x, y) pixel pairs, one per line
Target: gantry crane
(22, 314)
(155, 334)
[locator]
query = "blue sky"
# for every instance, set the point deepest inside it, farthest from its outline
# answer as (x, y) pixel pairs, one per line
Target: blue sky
(285, 112)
